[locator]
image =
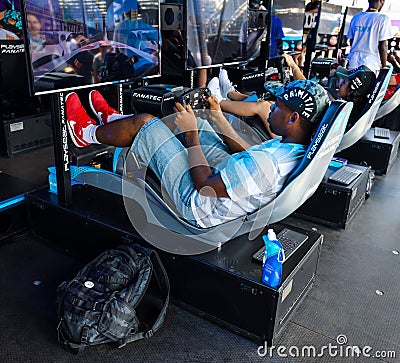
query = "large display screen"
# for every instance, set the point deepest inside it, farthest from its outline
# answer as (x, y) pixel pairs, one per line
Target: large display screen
(213, 30)
(287, 24)
(330, 19)
(79, 43)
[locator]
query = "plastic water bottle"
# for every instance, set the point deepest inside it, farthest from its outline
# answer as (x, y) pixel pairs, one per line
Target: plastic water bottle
(272, 260)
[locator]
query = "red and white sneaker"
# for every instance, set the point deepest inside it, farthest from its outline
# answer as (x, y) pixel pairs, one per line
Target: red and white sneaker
(100, 107)
(77, 119)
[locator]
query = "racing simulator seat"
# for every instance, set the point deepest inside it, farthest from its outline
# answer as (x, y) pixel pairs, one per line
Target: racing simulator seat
(303, 182)
(375, 98)
(384, 116)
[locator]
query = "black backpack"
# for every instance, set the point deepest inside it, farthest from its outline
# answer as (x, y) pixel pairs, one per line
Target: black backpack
(100, 305)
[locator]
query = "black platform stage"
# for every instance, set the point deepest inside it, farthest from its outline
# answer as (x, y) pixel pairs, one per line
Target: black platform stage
(335, 204)
(354, 265)
(224, 284)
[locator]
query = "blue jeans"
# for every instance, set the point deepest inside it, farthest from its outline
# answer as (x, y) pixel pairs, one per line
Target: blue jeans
(158, 148)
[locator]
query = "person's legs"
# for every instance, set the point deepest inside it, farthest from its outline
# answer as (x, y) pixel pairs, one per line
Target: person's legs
(212, 145)
(104, 112)
(122, 132)
(225, 83)
(214, 87)
(84, 131)
(237, 96)
(157, 147)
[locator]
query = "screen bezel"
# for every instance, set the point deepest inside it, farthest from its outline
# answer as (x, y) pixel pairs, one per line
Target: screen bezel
(30, 72)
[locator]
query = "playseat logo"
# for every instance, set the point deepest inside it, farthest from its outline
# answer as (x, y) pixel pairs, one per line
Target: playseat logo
(145, 96)
(317, 141)
(12, 48)
(64, 134)
(374, 93)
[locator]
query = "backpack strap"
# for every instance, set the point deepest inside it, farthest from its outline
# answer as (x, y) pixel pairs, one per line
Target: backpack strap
(70, 346)
(163, 283)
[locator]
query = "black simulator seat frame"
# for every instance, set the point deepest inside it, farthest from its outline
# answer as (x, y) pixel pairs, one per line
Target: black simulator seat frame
(388, 106)
(301, 184)
(375, 98)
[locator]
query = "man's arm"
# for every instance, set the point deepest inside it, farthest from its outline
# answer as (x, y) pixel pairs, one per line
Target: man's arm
(297, 73)
(383, 50)
(261, 108)
(206, 183)
(392, 59)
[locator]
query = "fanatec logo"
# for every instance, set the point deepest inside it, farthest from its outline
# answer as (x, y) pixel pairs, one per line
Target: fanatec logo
(120, 94)
(251, 76)
(145, 96)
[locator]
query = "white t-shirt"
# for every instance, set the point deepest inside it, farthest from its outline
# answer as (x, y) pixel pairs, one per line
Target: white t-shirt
(367, 29)
(252, 179)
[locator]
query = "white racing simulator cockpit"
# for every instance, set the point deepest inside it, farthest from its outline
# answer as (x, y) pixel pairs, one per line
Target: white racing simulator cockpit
(109, 196)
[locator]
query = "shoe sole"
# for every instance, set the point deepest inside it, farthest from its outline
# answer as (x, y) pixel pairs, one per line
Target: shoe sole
(71, 132)
(92, 107)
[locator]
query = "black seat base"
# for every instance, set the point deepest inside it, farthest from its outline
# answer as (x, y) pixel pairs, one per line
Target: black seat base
(223, 284)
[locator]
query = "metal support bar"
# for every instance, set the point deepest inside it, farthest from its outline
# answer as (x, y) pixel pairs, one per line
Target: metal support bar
(61, 154)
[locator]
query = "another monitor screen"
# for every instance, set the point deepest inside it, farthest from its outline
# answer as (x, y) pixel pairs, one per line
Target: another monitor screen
(213, 30)
(78, 43)
(330, 19)
(287, 24)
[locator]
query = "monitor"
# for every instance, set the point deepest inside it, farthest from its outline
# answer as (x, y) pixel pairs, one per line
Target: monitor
(213, 30)
(286, 31)
(81, 43)
(287, 24)
(330, 19)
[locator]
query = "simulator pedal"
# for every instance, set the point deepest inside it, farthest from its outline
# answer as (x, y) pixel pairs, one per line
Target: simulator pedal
(381, 133)
(290, 241)
(345, 175)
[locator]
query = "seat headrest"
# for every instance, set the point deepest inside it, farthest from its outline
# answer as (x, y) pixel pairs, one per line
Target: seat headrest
(330, 121)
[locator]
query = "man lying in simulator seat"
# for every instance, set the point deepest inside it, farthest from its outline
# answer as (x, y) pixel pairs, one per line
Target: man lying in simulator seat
(209, 181)
(354, 86)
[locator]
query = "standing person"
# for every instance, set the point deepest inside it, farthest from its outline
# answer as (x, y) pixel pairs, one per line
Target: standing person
(98, 66)
(34, 29)
(82, 61)
(276, 44)
(369, 32)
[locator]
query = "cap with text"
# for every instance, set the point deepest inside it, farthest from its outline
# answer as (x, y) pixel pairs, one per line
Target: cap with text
(361, 79)
(306, 97)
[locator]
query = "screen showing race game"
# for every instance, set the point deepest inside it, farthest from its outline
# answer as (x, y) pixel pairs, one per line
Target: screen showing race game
(287, 24)
(214, 31)
(79, 43)
(330, 19)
